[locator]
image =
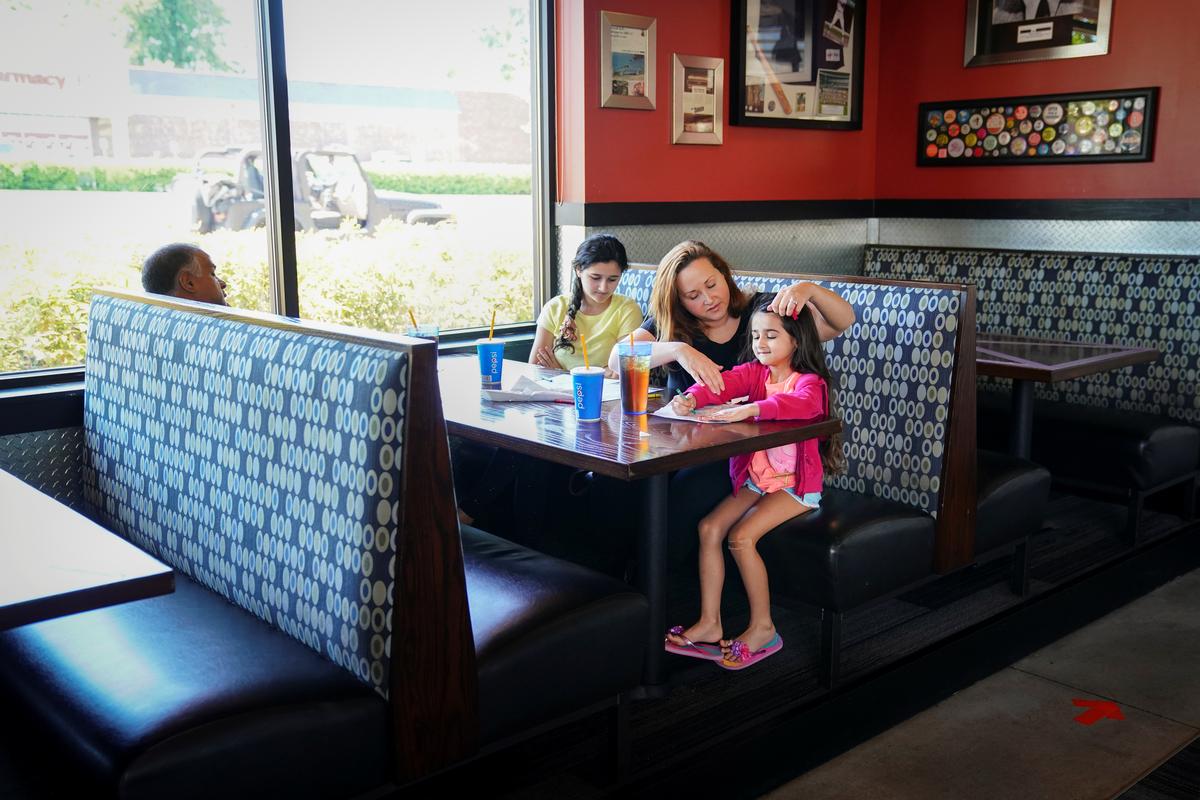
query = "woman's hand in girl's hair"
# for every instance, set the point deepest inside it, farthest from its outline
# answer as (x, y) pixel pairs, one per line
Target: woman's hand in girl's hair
(703, 369)
(735, 414)
(790, 300)
(544, 357)
(683, 404)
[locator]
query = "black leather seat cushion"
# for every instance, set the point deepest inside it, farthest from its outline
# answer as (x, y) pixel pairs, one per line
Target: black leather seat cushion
(1012, 496)
(1128, 449)
(851, 550)
(550, 636)
(187, 695)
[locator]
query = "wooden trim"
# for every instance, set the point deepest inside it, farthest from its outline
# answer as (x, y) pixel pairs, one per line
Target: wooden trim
(955, 538)
(1168, 209)
(434, 679)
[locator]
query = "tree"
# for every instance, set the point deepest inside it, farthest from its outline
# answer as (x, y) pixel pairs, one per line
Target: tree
(183, 33)
(512, 40)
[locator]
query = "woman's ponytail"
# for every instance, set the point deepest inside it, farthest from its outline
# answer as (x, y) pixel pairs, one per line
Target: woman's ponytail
(567, 334)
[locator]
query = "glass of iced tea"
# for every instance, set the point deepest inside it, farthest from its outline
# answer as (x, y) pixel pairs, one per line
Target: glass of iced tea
(634, 360)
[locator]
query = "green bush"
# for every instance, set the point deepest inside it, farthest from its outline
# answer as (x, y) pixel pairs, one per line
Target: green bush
(346, 277)
(448, 183)
(104, 179)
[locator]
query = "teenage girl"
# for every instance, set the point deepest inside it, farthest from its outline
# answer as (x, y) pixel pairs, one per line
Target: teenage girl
(788, 379)
(593, 308)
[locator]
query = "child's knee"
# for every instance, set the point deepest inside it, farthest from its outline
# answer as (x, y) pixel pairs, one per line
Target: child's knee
(741, 541)
(711, 532)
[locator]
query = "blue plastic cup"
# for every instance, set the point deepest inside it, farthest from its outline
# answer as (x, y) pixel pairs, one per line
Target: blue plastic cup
(588, 386)
(491, 360)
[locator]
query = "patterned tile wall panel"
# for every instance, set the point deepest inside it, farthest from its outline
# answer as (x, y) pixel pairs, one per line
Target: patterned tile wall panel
(263, 463)
(1146, 301)
(827, 246)
(49, 461)
(1083, 236)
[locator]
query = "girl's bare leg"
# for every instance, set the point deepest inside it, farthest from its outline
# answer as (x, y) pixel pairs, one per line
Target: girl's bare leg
(713, 530)
(770, 511)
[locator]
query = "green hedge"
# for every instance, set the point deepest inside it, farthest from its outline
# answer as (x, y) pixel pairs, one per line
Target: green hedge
(101, 179)
(156, 179)
(444, 183)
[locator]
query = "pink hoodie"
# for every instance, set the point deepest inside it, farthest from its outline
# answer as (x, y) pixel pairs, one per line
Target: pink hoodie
(806, 401)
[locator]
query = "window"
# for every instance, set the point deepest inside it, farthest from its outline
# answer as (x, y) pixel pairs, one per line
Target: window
(412, 161)
(120, 131)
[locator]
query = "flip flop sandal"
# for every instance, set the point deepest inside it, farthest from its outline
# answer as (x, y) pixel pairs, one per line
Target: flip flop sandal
(706, 650)
(740, 656)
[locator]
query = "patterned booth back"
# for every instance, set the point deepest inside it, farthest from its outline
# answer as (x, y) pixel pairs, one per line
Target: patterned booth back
(1145, 301)
(896, 365)
(263, 462)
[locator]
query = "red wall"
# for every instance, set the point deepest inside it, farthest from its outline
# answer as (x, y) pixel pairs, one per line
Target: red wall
(1152, 44)
(913, 54)
(628, 155)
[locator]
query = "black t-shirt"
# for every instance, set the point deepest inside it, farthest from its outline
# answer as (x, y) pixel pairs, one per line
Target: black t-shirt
(726, 354)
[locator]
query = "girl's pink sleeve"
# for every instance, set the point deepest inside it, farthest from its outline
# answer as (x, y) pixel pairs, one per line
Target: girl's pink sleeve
(738, 382)
(806, 400)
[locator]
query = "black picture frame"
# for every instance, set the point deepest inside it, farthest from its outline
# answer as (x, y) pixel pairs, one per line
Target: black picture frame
(994, 125)
(824, 41)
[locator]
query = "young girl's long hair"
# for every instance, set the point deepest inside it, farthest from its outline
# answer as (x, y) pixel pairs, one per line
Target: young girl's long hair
(674, 322)
(809, 356)
(599, 248)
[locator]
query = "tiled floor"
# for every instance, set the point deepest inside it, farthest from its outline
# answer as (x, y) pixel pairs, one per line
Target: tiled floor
(1015, 733)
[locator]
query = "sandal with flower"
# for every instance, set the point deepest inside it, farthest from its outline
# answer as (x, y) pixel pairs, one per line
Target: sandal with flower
(741, 657)
(706, 650)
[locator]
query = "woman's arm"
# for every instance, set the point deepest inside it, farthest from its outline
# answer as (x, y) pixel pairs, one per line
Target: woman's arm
(542, 352)
(703, 369)
(831, 312)
(738, 382)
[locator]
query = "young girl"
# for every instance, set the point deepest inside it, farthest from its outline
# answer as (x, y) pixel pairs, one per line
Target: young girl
(787, 380)
(592, 308)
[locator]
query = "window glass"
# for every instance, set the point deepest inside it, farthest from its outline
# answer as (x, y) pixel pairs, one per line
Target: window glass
(410, 127)
(124, 125)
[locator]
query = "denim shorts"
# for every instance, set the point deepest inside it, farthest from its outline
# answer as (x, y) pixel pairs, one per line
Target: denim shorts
(808, 499)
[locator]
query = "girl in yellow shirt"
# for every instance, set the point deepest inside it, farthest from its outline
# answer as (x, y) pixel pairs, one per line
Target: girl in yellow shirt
(592, 308)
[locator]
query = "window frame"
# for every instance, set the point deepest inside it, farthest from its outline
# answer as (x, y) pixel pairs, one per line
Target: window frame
(276, 128)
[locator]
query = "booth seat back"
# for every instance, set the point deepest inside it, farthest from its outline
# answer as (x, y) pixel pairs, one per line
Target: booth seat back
(1145, 301)
(900, 370)
(293, 469)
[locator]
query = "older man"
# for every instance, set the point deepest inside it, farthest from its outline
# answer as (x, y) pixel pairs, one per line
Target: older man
(183, 270)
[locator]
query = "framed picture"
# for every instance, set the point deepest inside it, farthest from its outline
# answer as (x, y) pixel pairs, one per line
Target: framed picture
(1007, 31)
(1087, 128)
(626, 61)
(797, 63)
(698, 100)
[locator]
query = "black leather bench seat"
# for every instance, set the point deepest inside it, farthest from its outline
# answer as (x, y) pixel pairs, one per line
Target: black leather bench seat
(853, 549)
(550, 636)
(1012, 496)
(186, 695)
(1128, 449)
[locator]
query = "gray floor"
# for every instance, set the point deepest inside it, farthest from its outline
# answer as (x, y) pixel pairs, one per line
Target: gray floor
(1015, 734)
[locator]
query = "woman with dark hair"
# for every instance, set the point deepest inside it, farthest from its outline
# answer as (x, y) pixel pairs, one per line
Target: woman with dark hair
(592, 308)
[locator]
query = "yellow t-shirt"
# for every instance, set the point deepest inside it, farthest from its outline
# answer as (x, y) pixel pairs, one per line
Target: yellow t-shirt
(602, 330)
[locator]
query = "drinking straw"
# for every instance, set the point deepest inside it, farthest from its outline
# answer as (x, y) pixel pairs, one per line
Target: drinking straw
(631, 342)
(413, 317)
(492, 329)
(583, 341)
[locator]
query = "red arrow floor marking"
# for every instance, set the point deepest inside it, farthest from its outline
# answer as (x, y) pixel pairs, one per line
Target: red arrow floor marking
(1097, 710)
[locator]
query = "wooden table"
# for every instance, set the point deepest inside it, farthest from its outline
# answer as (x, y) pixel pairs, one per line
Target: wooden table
(54, 561)
(626, 447)
(1029, 360)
